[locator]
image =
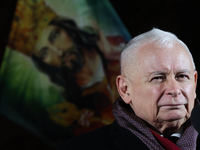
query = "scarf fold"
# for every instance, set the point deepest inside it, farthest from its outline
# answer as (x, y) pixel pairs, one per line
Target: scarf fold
(126, 118)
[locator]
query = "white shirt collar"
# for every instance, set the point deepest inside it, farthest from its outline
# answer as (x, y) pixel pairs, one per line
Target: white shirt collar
(178, 133)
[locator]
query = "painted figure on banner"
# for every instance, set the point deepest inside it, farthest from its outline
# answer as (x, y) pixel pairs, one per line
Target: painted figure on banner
(71, 50)
(80, 59)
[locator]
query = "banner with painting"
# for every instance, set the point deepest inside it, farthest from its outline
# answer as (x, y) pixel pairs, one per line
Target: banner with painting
(57, 78)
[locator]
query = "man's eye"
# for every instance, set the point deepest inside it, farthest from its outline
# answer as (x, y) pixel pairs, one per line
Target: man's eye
(158, 79)
(54, 35)
(182, 77)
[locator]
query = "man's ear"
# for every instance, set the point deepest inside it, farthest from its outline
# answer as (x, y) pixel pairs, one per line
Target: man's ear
(195, 81)
(123, 88)
(195, 78)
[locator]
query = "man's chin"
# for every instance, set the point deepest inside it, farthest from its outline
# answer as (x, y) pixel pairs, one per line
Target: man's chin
(173, 121)
(173, 115)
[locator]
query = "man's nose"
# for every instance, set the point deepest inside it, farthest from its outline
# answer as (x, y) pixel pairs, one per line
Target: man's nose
(173, 88)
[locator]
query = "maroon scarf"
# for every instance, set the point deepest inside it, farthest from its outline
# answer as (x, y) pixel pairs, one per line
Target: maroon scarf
(126, 118)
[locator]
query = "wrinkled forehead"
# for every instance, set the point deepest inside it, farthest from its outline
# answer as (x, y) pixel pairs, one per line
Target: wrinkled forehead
(156, 50)
(162, 58)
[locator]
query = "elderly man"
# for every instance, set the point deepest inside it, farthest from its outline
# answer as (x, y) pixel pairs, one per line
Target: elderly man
(157, 94)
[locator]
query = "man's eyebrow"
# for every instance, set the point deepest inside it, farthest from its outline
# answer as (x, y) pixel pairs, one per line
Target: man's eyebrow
(165, 72)
(184, 71)
(157, 72)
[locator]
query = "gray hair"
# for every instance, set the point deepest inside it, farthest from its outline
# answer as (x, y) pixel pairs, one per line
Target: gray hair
(157, 36)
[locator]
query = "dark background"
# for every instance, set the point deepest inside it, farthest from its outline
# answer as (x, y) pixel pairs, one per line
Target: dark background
(181, 17)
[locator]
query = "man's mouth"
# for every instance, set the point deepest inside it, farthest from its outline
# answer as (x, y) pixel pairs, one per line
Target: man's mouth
(172, 106)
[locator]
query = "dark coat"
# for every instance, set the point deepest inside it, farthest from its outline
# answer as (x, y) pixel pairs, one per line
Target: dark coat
(110, 137)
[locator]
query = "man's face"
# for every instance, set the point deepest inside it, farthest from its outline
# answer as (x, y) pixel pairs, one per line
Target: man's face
(162, 86)
(56, 48)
